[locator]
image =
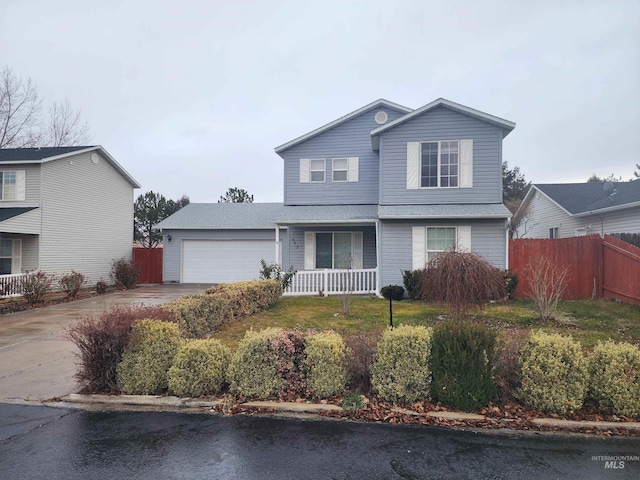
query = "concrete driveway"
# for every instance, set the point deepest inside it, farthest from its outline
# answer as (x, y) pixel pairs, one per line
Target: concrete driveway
(38, 363)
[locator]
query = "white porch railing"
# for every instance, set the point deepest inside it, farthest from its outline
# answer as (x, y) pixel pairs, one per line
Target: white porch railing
(332, 282)
(10, 285)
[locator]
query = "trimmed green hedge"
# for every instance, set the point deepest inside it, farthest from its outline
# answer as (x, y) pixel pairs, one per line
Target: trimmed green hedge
(252, 372)
(614, 377)
(327, 362)
(201, 315)
(462, 356)
(152, 346)
(554, 373)
(199, 368)
(401, 371)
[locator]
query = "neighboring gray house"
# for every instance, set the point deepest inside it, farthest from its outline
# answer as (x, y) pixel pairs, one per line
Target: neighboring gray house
(64, 208)
(377, 191)
(561, 210)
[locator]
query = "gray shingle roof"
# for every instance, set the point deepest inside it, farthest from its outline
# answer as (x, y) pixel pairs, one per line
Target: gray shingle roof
(199, 216)
(577, 198)
(10, 212)
(497, 210)
(327, 214)
(27, 154)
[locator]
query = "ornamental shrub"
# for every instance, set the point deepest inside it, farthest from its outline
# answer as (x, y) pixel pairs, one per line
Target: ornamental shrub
(148, 357)
(35, 285)
(361, 349)
(393, 292)
(411, 281)
(326, 358)
(460, 281)
(124, 273)
(247, 298)
(508, 370)
(199, 368)
(199, 315)
(288, 349)
(462, 364)
(554, 373)
(71, 283)
(273, 271)
(510, 281)
(101, 287)
(614, 377)
(252, 371)
(401, 371)
(102, 339)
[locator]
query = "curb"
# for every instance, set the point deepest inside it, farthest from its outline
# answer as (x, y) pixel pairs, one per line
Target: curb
(172, 402)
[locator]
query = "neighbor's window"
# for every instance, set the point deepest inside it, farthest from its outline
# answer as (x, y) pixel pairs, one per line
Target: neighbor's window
(440, 239)
(317, 168)
(6, 254)
(439, 162)
(8, 186)
(340, 169)
(553, 232)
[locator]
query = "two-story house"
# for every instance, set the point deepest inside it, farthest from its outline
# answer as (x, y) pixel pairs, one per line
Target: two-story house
(64, 208)
(380, 190)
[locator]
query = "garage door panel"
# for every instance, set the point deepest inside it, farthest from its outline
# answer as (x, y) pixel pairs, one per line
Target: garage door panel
(224, 261)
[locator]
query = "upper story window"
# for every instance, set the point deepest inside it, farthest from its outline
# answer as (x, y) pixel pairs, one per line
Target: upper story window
(317, 169)
(314, 170)
(340, 169)
(440, 164)
(12, 185)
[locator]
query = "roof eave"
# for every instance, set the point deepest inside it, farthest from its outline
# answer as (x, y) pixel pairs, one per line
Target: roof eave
(607, 209)
(327, 222)
(434, 216)
(344, 118)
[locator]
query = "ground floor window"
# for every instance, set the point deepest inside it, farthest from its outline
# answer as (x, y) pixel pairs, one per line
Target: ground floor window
(337, 250)
(10, 256)
(440, 239)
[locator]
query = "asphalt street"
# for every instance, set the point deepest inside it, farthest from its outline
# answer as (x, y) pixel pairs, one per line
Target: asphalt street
(53, 443)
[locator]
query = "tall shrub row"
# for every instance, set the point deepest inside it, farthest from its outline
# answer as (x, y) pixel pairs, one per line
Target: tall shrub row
(201, 315)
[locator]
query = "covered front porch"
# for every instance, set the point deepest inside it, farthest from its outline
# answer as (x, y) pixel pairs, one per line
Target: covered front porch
(332, 255)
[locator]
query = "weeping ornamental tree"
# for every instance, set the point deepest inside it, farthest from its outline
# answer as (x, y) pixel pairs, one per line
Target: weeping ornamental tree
(460, 281)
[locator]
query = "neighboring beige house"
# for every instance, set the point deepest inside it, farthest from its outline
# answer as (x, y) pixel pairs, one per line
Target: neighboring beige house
(63, 209)
(561, 210)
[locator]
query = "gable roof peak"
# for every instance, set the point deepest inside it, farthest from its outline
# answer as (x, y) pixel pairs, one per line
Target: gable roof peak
(506, 125)
(377, 103)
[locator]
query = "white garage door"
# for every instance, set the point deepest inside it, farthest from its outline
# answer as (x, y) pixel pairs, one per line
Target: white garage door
(224, 261)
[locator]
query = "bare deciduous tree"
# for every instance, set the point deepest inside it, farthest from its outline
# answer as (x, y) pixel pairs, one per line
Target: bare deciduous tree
(547, 282)
(21, 124)
(19, 111)
(65, 126)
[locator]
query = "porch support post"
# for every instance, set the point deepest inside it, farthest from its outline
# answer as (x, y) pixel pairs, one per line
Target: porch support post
(277, 255)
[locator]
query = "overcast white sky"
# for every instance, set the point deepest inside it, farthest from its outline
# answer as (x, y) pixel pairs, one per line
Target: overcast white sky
(192, 96)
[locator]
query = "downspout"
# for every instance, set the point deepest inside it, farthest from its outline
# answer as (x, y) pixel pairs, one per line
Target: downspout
(378, 266)
(507, 240)
(277, 255)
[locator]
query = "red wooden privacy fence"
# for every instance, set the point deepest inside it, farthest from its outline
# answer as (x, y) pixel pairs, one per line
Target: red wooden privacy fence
(598, 267)
(149, 262)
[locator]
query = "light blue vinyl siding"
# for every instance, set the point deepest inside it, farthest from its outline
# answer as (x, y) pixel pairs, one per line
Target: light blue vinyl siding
(442, 124)
(172, 254)
(296, 243)
(350, 139)
(487, 239)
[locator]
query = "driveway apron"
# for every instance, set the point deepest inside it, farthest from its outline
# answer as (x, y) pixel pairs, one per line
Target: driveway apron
(38, 363)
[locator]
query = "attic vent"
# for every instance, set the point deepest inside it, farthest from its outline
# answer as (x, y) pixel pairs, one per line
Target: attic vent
(381, 117)
(95, 158)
